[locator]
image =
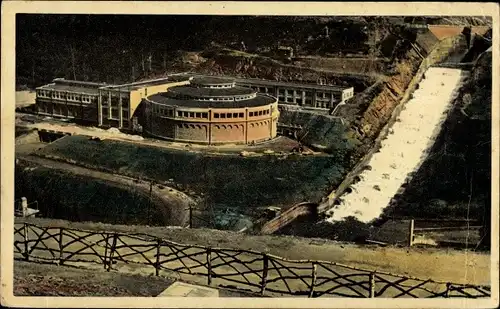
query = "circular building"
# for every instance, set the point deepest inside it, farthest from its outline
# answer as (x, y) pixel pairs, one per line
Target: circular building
(211, 110)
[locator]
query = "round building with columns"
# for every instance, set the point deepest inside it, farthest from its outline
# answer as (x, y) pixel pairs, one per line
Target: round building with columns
(211, 110)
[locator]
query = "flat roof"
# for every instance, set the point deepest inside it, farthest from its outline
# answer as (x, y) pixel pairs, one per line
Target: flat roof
(259, 100)
(194, 91)
(152, 82)
(268, 82)
(71, 88)
(212, 80)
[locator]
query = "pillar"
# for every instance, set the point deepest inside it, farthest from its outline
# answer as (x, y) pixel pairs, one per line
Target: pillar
(120, 109)
(246, 125)
(209, 126)
(313, 99)
(99, 109)
(109, 105)
(24, 206)
(303, 98)
(286, 96)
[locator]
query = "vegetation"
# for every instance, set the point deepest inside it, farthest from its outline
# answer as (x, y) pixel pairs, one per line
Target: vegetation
(62, 195)
(229, 183)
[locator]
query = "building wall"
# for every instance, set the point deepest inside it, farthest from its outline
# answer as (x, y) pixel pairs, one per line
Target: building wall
(66, 104)
(211, 126)
(307, 97)
(137, 95)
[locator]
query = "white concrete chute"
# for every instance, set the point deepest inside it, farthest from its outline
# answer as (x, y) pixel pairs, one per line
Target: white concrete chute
(403, 151)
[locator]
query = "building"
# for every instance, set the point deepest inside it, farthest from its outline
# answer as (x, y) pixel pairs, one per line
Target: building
(187, 107)
(99, 103)
(310, 96)
(210, 111)
(304, 95)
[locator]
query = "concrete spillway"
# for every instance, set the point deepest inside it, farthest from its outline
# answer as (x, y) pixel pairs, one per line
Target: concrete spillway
(405, 147)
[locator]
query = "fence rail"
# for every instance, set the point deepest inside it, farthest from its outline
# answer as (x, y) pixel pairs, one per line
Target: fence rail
(242, 269)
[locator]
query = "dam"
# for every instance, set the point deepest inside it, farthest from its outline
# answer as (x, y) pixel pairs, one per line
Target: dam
(404, 149)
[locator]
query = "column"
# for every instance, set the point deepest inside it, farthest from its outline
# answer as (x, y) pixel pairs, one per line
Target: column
(109, 105)
(209, 126)
(120, 110)
(99, 109)
(286, 95)
(314, 98)
(303, 98)
(294, 96)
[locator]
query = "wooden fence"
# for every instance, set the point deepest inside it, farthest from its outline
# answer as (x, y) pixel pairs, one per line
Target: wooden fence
(241, 269)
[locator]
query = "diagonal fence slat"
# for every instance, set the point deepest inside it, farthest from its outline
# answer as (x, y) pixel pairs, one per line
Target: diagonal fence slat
(241, 269)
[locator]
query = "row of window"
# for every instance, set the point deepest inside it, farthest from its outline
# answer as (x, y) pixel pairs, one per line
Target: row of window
(229, 115)
(115, 114)
(215, 86)
(204, 115)
(115, 102)
(217, 99)
(224, 127)
(192, 115)
(66, 96)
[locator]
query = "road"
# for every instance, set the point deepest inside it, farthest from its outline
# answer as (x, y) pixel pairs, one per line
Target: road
(165, 198)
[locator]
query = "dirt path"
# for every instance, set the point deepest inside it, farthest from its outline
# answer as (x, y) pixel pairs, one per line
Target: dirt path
(163, 197)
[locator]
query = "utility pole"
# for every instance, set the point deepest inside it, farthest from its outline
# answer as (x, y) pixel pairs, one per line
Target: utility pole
(150, 200)
(190, 216)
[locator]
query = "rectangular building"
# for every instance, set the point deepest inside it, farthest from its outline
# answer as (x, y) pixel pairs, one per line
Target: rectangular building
(314, 96)
(304, 95)
(98, 104)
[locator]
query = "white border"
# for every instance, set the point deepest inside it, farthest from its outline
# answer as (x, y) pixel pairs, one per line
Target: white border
(10, 8)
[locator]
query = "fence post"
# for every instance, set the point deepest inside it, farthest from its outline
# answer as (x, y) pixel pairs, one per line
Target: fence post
(112, 251)
(313, 280)
(105, 260)
(157, 264)
(265, 269)
(61, 232)
(26, 239)
(372, 285)
(410, 232)
(447, 294)
(209, 265)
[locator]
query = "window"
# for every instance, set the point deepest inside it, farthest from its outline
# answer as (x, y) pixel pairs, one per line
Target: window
(235, 115)
(241, 115)
(114, 113)
(216, 115)
(185, 114)
(251, 114)
(204, 115)
(179, 114)
(229, 115)
(260, 113)
(191, 115)
(222, 115)
(198, 115)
